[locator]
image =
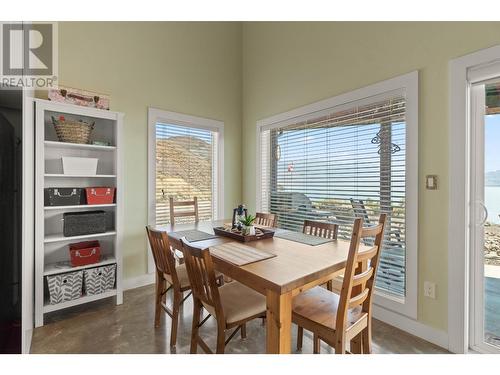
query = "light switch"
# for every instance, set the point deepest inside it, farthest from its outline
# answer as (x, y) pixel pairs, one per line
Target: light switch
(431, 182)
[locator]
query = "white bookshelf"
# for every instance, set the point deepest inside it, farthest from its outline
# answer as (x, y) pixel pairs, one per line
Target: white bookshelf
(51, 246)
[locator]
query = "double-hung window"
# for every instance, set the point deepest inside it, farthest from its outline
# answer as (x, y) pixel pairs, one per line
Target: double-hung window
(350, 156)
(185, 161)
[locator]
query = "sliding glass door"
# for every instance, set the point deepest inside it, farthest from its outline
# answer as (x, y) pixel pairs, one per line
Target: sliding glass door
(485, 217)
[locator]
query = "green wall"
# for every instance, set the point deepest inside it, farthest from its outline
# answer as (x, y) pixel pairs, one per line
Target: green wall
(287, 65)
(192, 68)
(240, 73)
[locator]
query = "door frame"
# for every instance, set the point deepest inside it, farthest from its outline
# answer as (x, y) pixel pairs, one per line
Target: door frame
(462, 74)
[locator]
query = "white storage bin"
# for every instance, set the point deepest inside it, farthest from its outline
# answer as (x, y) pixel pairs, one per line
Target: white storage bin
(79, 166)
(65, 287)
(99, 280)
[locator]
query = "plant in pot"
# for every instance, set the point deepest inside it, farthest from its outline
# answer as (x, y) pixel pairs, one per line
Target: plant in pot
(248, 229)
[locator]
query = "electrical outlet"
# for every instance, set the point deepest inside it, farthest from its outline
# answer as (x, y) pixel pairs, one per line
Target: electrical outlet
(429, 289)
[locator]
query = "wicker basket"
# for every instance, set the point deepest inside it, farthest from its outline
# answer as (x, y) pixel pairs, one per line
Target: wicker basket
(72, 131)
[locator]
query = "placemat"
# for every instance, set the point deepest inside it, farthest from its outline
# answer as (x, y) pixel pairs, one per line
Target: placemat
(239, 254)
(301, 237)
(193, 235)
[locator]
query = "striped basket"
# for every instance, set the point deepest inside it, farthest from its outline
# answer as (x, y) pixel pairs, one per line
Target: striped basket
(65, 287)
(99, 280)
(72, 131)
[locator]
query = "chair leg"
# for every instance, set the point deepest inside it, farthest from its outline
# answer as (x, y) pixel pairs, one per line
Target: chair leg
(175, 317)
(221, 340)
(356, 344)
(329, 285)
(300, 335)
(340, 346)
(160, 282)
(197, 310)
(367, 338)
(244, 331)
(316, 344)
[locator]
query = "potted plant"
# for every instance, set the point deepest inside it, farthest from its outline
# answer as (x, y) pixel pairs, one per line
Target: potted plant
(248, 229)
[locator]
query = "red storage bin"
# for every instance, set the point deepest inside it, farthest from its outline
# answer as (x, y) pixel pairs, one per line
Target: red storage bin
(83, 253)
(100, 195)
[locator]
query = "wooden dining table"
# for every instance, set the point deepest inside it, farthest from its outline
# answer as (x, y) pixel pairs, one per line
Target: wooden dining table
(295, 268)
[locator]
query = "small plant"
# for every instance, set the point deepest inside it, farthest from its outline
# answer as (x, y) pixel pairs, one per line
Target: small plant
(248, 220)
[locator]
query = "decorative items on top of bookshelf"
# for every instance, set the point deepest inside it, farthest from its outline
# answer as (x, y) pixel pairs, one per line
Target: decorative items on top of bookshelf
(64, 94)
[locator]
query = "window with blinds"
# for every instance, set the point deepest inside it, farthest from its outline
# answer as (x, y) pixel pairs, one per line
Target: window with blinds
(186, 167)
(340, 164)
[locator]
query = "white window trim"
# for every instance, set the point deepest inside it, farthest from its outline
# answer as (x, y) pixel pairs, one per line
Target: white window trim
(156, 115)
(409, 82)
(463, 72)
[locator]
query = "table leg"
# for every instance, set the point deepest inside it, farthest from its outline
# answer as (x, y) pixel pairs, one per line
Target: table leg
(279, 322)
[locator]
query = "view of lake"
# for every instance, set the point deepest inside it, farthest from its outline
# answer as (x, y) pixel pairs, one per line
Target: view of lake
(492, 201)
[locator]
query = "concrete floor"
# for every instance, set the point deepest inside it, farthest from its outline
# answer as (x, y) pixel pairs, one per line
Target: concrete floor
(103, 327)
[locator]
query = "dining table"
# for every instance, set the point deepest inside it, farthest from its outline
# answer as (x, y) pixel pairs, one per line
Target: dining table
(295, 268)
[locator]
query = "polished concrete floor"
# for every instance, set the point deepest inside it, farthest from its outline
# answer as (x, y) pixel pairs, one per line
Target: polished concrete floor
(103, 327)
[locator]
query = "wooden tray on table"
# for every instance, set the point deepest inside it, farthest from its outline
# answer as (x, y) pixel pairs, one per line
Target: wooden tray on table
(260, 234)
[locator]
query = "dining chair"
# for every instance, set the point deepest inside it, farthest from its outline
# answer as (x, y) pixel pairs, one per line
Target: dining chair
(167, 272)
(321, 229)
(232, 305)
(359, 208)
(265, 219)
(183, 213)
(344, 319)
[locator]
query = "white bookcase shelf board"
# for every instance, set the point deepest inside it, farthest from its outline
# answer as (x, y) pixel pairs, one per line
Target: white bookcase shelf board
(57, 144)
(48, 175)
(79, 206)
(65, 266)
(52, 254)
(46, 308)
(60, 238)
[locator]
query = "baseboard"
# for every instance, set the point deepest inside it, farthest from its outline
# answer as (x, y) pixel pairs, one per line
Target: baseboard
(416, 328)
(138, 281)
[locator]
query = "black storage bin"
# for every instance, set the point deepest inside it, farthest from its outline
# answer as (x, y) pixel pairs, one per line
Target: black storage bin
(64, 196)
(87, 222)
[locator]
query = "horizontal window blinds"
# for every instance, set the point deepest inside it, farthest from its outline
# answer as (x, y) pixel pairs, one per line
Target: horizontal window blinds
(185, 168)
(335, 167)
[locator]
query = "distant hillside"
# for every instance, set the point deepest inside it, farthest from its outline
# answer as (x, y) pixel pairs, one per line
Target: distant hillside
(492, 178)
(183, 162)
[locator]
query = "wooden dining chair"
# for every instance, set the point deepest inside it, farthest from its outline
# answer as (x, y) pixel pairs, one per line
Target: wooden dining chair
(321, 229)
(268, 220)
(167, 273)
(232, 305)
(344, 319)
(183, 213)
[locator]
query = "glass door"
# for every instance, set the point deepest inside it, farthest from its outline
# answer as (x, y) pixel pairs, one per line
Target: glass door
(485, 217)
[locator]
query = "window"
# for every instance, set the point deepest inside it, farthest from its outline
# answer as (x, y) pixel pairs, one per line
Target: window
(185, 162)
(334, 161)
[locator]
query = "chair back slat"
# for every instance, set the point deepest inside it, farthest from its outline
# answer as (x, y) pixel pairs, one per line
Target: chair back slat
(360, 271)
(320, 229)
(201, 275)
(183, 213)
(162, 252)
(362, 278)
(359, 299)
(265, 219)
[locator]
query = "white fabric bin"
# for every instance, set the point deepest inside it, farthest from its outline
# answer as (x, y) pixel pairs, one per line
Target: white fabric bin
(79, 166)
(65, 287)
(99, 280)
